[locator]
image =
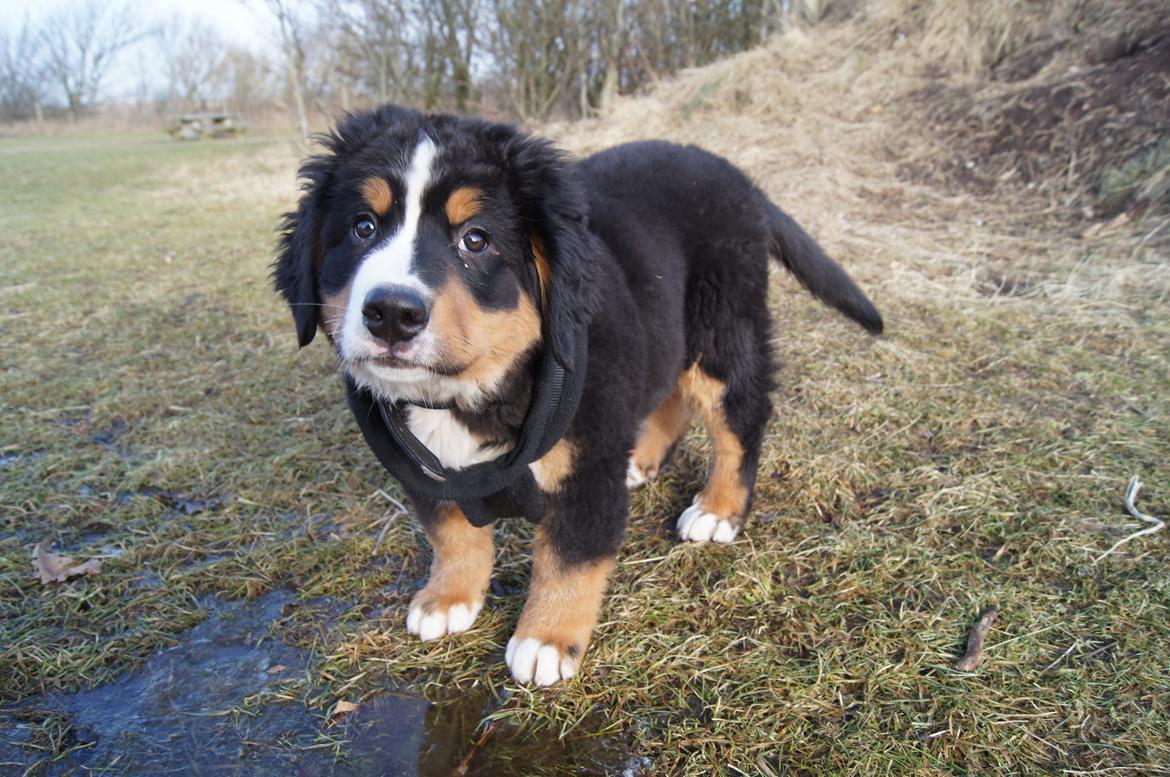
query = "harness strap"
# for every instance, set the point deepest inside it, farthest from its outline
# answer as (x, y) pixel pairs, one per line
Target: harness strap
(499, 488)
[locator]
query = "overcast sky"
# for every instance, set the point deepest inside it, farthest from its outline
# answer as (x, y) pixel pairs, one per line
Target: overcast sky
(240, 22)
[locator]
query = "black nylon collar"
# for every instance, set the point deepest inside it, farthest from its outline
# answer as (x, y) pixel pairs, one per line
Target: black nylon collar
(499, 488)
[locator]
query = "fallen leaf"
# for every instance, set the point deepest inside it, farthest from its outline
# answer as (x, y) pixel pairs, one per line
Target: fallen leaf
(974, 655)
(342, 707)
(52, 568)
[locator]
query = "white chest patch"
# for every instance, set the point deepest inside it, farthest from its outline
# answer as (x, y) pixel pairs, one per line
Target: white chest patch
(448, 439)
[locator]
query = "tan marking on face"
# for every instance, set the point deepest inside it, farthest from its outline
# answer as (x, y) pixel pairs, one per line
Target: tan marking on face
(543, 268)
(556, 465)
(485, 343)
(333, 312)
(377, 195)
(563, 600)
(664, 426)
(724, 495)
(461, 567)
(463, 204)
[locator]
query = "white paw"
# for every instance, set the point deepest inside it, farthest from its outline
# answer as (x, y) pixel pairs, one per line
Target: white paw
(436, 623)
(698, 525)
(635, 476)
(532, 661)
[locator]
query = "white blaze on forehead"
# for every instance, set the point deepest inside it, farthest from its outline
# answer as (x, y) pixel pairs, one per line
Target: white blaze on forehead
(389, 265)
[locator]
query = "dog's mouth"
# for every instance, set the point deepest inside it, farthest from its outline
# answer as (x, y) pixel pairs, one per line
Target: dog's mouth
(408, 368)
(394, 362)
(400, 356)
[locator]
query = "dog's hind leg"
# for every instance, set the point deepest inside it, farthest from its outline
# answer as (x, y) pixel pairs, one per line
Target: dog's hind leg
(659, 434)
(735, 411)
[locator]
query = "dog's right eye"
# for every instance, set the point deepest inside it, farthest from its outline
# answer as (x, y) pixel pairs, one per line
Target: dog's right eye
(364, 228)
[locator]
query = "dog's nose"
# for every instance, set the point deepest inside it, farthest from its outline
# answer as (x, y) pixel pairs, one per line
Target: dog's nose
(394, 314)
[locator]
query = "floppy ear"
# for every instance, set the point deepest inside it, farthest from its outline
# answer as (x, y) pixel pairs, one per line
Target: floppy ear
(564, 251)
(294, 273)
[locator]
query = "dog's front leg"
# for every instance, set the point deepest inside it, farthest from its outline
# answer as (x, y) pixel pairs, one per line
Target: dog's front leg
(576, 543)
(461, 569)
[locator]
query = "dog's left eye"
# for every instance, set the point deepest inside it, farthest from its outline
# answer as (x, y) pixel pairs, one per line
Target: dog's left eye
(474, 242)
(364, 228)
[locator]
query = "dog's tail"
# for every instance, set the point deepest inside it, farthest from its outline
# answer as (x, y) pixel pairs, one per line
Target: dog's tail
(817, 272)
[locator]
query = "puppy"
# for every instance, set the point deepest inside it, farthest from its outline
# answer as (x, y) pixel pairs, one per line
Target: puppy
(523, 334)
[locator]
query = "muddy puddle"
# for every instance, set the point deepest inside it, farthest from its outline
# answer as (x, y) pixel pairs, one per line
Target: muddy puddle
(174, 716)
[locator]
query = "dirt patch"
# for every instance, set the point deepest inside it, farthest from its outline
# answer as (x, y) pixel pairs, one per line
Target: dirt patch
(1092, 137)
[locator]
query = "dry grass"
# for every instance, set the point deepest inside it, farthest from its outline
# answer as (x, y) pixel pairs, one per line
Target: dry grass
(974, 38)
(976, 456)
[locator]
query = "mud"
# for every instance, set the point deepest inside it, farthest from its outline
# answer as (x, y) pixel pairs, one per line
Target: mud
(1082, 130)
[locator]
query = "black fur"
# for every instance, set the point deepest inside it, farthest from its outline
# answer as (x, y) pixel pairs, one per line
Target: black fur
(819, 274)
(295, 273)
(660, 249)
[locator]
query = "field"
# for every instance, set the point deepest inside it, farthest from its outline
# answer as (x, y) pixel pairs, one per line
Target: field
(157, 417)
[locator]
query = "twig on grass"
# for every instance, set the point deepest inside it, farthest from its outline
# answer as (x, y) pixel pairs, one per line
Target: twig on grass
(1063, 655)
(489, 730)
(974, 655)
(1135, 485)
(401, 507)
(387, 520)
(465, 764)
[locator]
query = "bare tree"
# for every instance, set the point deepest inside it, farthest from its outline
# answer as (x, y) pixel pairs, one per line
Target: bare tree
(454, 25)
(194, 54)
(80, 44)
(374, 49)
(536, 57)
(538, 52)
(249, 80)
(524, 58)
(613, 32)
(665, 35)
(293, 31)
(22, 73)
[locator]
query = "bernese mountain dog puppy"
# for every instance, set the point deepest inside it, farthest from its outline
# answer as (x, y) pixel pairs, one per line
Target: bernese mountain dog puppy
(524, 334)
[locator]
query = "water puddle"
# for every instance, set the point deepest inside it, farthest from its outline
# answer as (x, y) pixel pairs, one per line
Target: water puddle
(13, 458)
(173, 716)
(450, 738)
(169, 716)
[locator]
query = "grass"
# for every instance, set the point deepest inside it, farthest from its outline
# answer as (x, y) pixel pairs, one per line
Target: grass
(157, 415)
